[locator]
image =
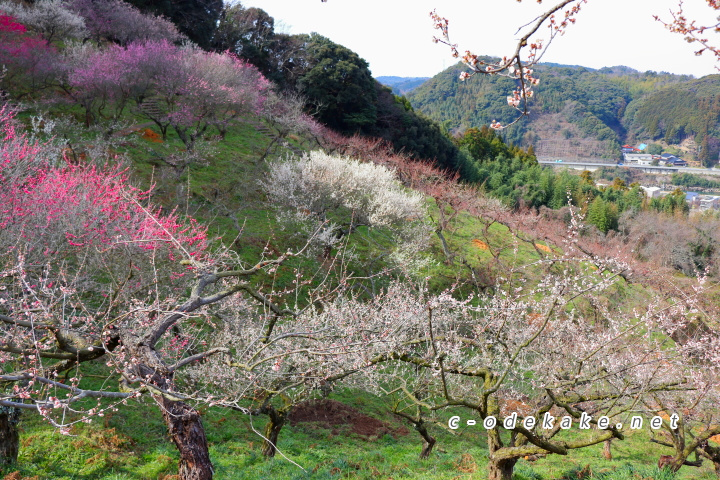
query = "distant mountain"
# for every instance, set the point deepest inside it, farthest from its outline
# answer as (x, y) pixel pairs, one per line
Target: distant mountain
(583, 112)
(402, 85)
(686, 112)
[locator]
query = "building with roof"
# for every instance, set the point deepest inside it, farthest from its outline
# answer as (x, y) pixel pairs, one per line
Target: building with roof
(677, 162)
(652, 192)
(707, 202)
(639, 158)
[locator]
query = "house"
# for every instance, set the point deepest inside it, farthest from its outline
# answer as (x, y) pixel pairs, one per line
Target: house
(631, 149)
(692, 198)
(652, 192)
(637, 158)
(678, 162)
(708, 202)
(666, 159)
(671, 160)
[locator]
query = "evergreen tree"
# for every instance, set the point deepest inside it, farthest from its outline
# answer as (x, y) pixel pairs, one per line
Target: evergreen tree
(560, 193)
(619, 184)
(602, 214)
(339, 86)
(250, 34)
(586, 176)
(195, 18)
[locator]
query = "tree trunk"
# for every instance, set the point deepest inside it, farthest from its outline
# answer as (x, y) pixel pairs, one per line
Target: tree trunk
(607, 453)
(713, 454)
(9, 435)
(446, 248)
(670, 462)
(272, 431)
(501, 469)
(498, 468)
(188, 434)
(428, 441)
(427, 448)
(183, 421)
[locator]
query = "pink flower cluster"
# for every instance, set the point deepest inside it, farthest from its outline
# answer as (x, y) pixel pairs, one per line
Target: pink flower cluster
(27, 58)
(82, 206)
(190, 89)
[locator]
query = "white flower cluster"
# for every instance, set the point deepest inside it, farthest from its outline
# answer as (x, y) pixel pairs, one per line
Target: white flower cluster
(51, 19)
(332, 195)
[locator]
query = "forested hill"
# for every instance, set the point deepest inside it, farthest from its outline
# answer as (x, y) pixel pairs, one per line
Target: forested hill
(579, 111)
(402, 85)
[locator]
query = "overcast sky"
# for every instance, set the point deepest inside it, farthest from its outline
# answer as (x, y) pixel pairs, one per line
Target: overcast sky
(394, 36)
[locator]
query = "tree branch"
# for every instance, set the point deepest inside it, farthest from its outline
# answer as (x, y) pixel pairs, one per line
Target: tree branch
(196, 357)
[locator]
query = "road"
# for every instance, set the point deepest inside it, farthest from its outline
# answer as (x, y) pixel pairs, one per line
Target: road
(645, 168)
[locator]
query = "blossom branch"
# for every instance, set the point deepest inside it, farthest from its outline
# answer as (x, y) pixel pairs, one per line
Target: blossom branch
(693, 32)
(514, 66)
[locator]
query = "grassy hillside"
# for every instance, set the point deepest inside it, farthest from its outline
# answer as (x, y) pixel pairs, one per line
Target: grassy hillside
(223, 190)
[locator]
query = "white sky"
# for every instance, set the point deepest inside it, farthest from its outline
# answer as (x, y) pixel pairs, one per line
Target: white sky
(394, 36)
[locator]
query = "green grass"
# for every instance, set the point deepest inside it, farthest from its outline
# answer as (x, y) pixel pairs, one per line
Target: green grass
(133, 444)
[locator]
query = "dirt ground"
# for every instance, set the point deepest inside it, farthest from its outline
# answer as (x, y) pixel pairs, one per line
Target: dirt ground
(333, 414)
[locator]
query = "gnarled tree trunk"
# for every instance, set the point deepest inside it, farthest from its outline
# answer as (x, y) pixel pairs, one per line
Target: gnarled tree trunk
(428, 440)
(498, 468)
(607, 452)
(183, 421)
(501, 469)
(713, 454)
(187, 432)
(9, 435)
(276, 421)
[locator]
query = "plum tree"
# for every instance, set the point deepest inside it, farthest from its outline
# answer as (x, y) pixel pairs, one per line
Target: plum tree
(90, 269)
(331, 196)
(119, 21)
(29, 61)
(185, 89)
(526, 349)
(50, 19)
